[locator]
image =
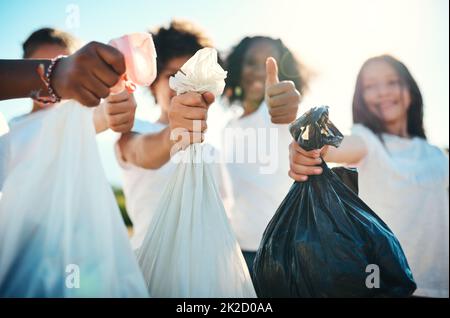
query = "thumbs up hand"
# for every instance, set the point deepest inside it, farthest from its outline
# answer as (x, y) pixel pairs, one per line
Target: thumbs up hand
(282, 98)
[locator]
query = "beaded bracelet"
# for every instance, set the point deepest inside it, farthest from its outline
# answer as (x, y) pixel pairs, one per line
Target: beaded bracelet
(46, 76)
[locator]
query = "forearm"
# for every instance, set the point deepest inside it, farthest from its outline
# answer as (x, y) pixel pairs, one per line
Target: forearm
(99, 119)
(149, 151)
(19, 78)
(351, 151)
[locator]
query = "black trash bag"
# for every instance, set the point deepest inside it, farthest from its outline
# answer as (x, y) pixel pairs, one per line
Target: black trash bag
(323, 240)
(349, 176)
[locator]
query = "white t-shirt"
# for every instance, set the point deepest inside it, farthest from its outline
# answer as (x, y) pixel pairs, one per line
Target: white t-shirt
(257, 186)
(406, 183)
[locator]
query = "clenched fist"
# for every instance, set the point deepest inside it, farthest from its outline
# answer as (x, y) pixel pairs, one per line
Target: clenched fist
(187, 117)
(116, 112)
(88, 74)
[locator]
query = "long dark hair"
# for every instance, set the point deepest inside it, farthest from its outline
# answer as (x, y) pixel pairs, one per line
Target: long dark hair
(362, 115)
(289, 66)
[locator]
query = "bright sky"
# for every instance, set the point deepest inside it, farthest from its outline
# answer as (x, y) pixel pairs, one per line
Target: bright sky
(332, 37)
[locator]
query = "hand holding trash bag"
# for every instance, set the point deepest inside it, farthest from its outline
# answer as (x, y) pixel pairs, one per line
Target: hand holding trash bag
(304, 163)
(84, 76)
(186, 111)
(97, 69)
(324, 240)
(198, 83)
(190, 249)
(88, 74)
(118, 109)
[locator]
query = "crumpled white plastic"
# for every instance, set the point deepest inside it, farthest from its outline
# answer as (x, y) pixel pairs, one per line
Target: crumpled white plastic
(201, 73)
(190, 249)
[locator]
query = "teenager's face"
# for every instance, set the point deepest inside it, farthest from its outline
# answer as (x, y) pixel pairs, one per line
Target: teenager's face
(384, 93)
(49, 51)
(253, 75)
(160, 89)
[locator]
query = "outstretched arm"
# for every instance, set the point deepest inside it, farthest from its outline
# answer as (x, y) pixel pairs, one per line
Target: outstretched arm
(304, 163)
(86, 76)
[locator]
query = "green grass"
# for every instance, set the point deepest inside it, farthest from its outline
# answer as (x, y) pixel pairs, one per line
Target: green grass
(120, 198)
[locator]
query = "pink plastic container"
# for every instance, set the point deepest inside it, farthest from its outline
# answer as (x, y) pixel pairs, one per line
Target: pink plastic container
(140, 60)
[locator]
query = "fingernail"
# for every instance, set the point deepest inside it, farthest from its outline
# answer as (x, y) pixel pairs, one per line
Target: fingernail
(318, 171)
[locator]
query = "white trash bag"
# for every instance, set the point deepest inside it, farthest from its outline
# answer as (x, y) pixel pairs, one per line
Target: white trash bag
(61, 233)
(190, 249)
(4, 128)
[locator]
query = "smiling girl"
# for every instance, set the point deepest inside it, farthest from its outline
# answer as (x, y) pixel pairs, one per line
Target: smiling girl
(402, 177)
